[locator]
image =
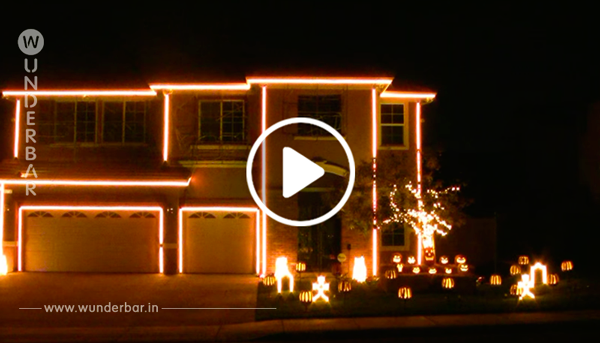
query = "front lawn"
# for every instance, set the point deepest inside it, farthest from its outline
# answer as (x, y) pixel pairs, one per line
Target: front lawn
(380, 298)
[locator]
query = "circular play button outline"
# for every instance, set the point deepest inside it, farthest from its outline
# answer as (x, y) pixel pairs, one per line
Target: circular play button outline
(259, 142)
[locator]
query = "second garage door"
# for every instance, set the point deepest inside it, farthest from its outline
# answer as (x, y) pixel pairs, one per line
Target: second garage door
(219, 242)
(90, 241)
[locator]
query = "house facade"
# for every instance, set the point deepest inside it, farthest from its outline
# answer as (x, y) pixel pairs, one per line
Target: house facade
(153, 180)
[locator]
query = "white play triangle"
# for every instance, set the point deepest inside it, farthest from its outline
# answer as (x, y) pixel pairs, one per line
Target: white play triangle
(298, 172)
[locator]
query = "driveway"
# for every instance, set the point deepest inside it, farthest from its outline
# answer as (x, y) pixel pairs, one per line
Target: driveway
(212, 293)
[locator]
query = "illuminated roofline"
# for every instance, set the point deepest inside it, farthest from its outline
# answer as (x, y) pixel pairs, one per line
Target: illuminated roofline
(200, 87)
(84, 93)
(319, 80)
(96, 183)
(408, 95)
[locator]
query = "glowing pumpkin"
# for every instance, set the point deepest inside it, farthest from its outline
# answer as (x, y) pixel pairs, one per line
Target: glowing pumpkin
(496, 280)
(397, 258)
(448, 283)
(399, 266)
(300, 267)
(404, 293)
(429, 254)
(344, 286)
(432, 270)
(306, 297)
(269, 280)
(460, 259)
(464, 268)
(416, 269)
(412, 260)
(523, 260)
(448, 270)
(444, 260)
(553, 279)
(516, 291)
(515, 269)
(566, 266)
(390, 274)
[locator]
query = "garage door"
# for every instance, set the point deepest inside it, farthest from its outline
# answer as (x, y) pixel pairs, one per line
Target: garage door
(90, 241)
(219, 242)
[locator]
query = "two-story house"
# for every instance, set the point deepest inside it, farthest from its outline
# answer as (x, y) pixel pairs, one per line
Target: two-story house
(153, 180)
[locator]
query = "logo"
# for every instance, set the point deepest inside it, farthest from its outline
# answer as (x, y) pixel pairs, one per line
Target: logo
(31, 42)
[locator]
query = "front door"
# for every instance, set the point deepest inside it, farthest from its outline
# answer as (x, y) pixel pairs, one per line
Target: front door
(318, 245)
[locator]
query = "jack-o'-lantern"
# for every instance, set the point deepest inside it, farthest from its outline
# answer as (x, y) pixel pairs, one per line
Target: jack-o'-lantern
(432, 270)
(566, 266)
(448, 283)
(269, 280)
(523, 260)
(515, 269)
(460, 259)
(463, 268)
(390, 274)
(344, 286)
(300, 267)
(553, 279)
(444, 260)
(397, 258)
(448, 270)
(515, 290)
(306, 298)
(496, 280)
(404, 293)
(399, 266)
(429, 254)
(416, 269)
(412, 260)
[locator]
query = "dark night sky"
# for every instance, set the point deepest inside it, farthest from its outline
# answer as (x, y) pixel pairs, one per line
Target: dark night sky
(514, 84)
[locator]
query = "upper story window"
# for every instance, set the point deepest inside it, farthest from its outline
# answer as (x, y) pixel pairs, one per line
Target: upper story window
(393, 235)
(222, 121)
(326, 108)
(75, 122)
(393, 125)
(124, 122)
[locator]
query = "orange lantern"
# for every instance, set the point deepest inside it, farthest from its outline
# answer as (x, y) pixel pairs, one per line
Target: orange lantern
(448, 283)
(553, 279)
(464, 267)
(269, 280)
(412, 260)
(516, 291)
(448, 270)
(397, 258)
(432, 270)
(404, 293)
(523, 260)
(429, 254)
(566, 266)
(399, 266)
(344, 286)
(460, 259)
(390, 274)
(300, 267)
(416, 269)
(515, 269)
(306, 298)
(496, 280)
(444, 260)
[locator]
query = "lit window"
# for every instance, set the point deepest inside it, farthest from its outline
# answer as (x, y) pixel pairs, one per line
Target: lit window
(327, 108)
(222, 121)
(124, 122)
(392, 235)
(392, 124)
(75, 121)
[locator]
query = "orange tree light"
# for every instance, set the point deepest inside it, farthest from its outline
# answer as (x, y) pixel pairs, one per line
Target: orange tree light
(523, 260)
(269, 280)
(553, 279)
(448, 283)
(516, 291)
(344, 286)
(515, 269)
(390, 274)
(306, 298)
(496, 280)
(566, 266)
(404, 293)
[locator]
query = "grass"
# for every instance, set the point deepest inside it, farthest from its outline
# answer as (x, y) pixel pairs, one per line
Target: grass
(380, 298)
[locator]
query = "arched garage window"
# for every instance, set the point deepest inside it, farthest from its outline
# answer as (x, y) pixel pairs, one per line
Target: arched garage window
(108, 214)
(74, 214)
(40, 214)
(202, 215)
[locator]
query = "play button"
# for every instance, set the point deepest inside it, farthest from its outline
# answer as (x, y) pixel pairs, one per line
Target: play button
(298, 172)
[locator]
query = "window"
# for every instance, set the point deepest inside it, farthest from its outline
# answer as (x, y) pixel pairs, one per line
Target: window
(75, 122)
(222, 121)
(124, 122)
(327, 108)
(392, 124)
(393, 235)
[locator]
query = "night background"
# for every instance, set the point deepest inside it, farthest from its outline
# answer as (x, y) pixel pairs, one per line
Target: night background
(515, 87)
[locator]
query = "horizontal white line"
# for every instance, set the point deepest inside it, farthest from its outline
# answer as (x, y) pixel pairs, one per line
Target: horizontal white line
(30, 308)
(219, 308)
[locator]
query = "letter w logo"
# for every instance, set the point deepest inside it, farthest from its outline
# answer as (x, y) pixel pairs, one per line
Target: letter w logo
(29, 40)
